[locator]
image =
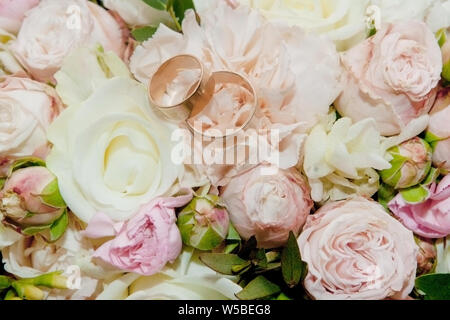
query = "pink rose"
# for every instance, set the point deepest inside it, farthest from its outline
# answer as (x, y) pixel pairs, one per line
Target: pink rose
(44, 41)
(146, 242)
(27, 108)
(438, 132)
(355, 250)
(268, 206)
(12, 13)
(392, 76)
(430, 218)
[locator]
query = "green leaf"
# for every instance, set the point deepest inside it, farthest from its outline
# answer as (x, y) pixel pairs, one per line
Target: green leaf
(258, 288)
(434, 286)
(292, 266)
(221, 262)
(229, 248)
(233, 234)
(51, 195)
(385, 194)
(144, 33)
(157, 4)
(5, 282)
(248, 247)
(25, 163)
(259, 258)
(180, 6)
(431, 177)
(241, 268)
(59, 227)
(415, 194)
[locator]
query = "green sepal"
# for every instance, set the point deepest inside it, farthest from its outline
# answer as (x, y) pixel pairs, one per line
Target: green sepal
(59, 226)
(258, 288)
(25, 163)
(31, 231)
(416, 194)
(392, 175)
(441, 37)
(233, 234)
(432, 176)
(51, 196)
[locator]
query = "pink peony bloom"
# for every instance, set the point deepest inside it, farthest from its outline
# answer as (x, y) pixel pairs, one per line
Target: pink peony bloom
(392, 76)
(268, 206)
(53, 29)
(146, 242)
(355, 250)
(12, 13)
(430, 218)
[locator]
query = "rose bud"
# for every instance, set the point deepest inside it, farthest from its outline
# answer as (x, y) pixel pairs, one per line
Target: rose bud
(438, 133)
(204, 222)
(411, 162)
(31, 203)
(426, 257)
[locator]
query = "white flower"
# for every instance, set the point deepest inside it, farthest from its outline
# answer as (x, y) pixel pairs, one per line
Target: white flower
(186, 279)
(443, 255)
(342, 21)
(138, 13)
(111, 153)
(32, 256)
(340, 157)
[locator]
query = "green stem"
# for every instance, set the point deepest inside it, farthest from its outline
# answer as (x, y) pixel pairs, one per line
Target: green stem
(174, 18)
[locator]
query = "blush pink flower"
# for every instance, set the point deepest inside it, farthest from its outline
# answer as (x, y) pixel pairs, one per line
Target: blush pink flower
(268, 206)
(392, 76)
(355, 250)
(51, 30)
(12, 13)
(430, 218)
(146, 242)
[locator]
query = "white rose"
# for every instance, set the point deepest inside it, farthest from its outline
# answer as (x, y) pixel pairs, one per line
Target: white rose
(138, 13)
(53, 29)
(186, 279)
(111, 152)
(343, 21)
(27, 108)
(32, 256)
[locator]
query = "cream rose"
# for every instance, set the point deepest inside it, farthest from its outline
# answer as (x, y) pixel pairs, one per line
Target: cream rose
(32, 256)
(111, 153)
(392, 76)
(268, 206)
(355, 250)
(27, 108)
(342, 21)
(186, 279)
(53, 29)
(138, 13)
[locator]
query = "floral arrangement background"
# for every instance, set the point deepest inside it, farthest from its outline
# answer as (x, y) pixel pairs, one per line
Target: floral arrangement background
(355, 205)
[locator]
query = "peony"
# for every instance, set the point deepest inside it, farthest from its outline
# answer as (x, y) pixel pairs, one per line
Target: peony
(355, 250)
(392, 76)
(268, 206)
(32, 256)
(342, 21)
(138, 13)
(112, 153)
(295, 75)
(186, 279)
(429, 218)
(27, 108)
(53, 29)
(12, 13)
(438, 132)
(341, 156)
(146, 242)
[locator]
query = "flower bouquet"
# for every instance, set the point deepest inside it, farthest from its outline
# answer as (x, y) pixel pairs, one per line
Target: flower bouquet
(219, 149)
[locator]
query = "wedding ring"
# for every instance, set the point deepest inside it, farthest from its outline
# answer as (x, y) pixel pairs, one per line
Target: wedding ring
(195, 92)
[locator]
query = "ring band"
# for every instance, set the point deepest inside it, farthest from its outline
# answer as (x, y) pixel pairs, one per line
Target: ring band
(196, 95)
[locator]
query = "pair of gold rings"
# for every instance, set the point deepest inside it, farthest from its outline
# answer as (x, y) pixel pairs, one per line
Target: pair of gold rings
(197, 94)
